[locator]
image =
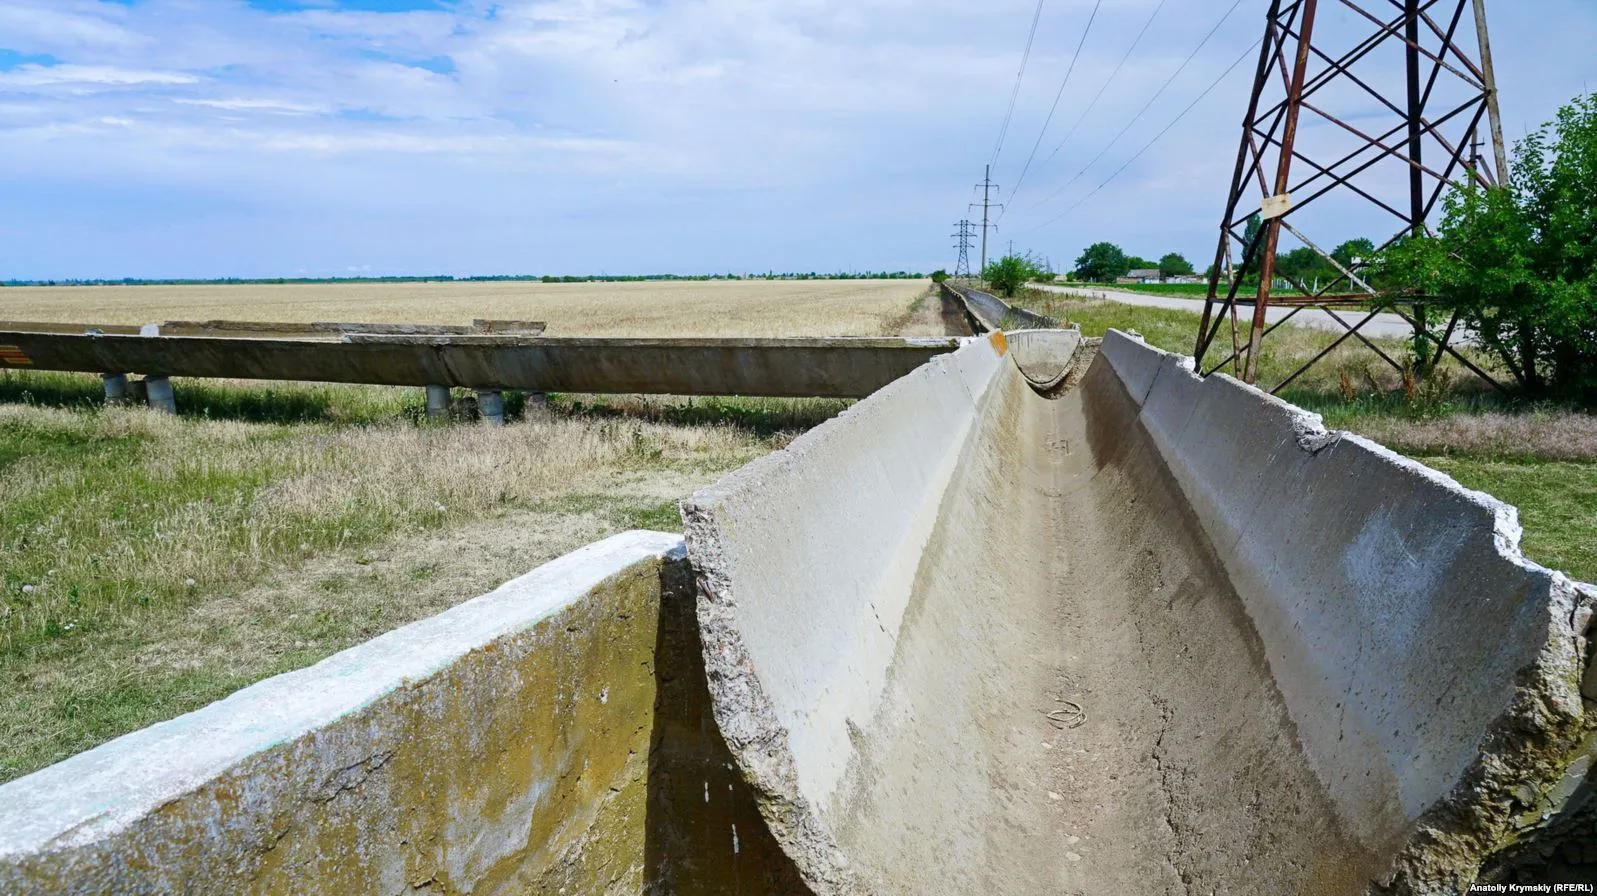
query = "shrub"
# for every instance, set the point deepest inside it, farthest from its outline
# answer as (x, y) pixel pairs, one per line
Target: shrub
(1010, 273)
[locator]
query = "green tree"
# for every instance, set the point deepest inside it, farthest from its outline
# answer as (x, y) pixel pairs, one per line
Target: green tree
(1252, 246)
(1353, 252)
(1010, 273)
(939, 275)
(1519, 263)
(1174, 265)
(1102, 262)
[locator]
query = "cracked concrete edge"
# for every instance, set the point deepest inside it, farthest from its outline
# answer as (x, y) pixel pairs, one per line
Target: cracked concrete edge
(748, 722)
(1526, 752)
(238, 764)
(1524, 759)
(759, 741)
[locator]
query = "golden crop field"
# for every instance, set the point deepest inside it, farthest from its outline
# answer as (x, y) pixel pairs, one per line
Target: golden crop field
(667, 308)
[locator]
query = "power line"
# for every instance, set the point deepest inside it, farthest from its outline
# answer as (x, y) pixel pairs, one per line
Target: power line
(1055, 107)
(1190, 106)
(1112, 76)
(1025, 57)
(1146, 106)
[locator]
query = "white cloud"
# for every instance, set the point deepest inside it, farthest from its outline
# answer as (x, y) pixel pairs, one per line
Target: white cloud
(787, 132)
(65, 26)
(242, 104)
(88, 76)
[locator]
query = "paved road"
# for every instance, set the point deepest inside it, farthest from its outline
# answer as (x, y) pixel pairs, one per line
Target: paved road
(1384, 324)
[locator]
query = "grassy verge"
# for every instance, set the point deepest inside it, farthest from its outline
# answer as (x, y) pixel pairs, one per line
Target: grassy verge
(1541, 459)
(152, 564)
(1178, 290)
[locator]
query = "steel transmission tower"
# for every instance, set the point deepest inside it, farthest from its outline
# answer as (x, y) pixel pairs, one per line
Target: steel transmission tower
(1357, 127)
(987, 204)
(965, 235)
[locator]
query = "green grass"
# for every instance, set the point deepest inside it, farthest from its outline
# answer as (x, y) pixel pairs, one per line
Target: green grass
(622, 512)
(1557, 504)
(259, 402)
(762, 417)
(1351, 377)
(1176, 290)
(1181, 290)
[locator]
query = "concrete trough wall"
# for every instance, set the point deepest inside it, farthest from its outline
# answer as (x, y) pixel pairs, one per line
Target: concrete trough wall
(1382, 590)
(550, 737)
(1160, 635)
(988, 312)
(838, 368)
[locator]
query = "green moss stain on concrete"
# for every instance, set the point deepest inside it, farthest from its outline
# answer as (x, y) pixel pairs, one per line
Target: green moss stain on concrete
(574, 756)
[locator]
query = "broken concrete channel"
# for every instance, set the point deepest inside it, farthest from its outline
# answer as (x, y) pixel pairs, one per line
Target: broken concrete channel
(1042, 616)
(1154, 634)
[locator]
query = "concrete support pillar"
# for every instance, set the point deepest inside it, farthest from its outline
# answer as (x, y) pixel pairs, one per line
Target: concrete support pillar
(536, 406)
(437, 402)
(158, 392)
(116, 387)
(491, 405)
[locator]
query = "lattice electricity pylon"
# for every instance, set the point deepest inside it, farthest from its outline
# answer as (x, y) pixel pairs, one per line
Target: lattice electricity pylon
(965, 235)
(1365, 131)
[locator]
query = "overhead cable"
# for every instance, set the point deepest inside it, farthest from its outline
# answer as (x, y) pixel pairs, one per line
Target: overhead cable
(1112, 76)
(1025, 57)
(1190, 106)
(1055, 107)
(1148, 105)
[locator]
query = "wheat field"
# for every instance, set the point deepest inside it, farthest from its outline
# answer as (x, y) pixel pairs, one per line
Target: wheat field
(758, 308)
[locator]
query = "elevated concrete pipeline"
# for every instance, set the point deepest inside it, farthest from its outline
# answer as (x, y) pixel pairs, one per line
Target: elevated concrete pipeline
(1161, 635)
(795, 368)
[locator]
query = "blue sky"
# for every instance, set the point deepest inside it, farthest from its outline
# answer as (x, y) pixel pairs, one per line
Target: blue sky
(157, 138)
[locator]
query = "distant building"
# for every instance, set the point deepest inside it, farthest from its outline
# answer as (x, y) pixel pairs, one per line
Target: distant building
(1141, 275)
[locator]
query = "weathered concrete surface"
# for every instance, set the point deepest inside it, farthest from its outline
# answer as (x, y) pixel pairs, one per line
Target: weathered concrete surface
(1160, 635)
(988, 312)
(1046, 358)
(550, 737)
(839, 368)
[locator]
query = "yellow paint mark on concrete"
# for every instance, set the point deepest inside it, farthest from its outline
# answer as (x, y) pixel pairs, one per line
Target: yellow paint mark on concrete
(14, 357)
(1000, 342)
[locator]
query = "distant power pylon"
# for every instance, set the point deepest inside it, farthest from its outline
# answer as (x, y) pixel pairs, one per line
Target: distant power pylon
(965, 235)
(987, 204)
(1324, 121)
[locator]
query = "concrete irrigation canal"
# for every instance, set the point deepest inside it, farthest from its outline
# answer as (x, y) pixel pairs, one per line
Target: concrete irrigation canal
(1039, 617)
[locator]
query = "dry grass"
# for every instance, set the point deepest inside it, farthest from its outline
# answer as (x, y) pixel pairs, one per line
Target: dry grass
(671, 308)
(1550, 435)
(133, 543)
